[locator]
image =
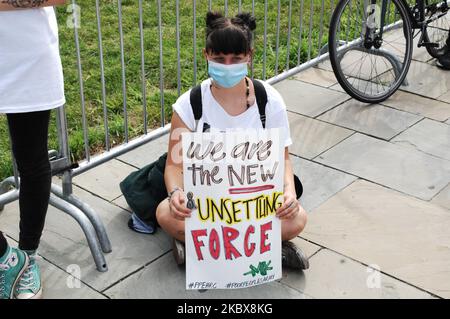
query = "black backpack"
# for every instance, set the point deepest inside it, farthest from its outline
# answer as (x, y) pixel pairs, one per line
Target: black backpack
(145, 188)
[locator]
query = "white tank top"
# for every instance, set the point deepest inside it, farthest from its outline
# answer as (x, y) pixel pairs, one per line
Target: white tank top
(31, 77)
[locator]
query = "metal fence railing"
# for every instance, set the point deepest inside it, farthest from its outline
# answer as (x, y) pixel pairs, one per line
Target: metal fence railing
(131, 59)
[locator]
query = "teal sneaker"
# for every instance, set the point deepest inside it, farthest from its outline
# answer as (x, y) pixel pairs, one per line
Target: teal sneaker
(12, 265)
(29, 285)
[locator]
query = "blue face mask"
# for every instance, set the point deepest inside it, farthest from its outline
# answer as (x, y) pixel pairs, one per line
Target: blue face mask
(227, 75)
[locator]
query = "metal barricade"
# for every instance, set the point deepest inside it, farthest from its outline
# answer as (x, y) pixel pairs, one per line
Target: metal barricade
(298, 29)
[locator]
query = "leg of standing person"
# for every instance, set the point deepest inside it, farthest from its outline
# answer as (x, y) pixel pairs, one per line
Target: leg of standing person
(29, 136)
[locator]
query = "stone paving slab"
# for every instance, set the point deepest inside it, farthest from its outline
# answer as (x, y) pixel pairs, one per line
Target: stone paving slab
(445, 97)
(104, 180)
(357, 82)
(428, 136)
(325, 65)
(443, 198)
(319, 182)
(395, 166)
(58, 284)
(317, 76)
(337, 87)
(164, 279)
(308, 99)
(63, 242)
(147, 153)
(372, 66)
(427, 80)
(371, 119)
(405, 101)
(309, 249)
(334, 276)
(311, 137)
(350, 63)
(122, 203)
(406, 237)
(419, 54)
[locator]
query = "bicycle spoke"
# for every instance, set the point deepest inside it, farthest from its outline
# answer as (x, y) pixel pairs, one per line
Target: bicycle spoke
(366, 69)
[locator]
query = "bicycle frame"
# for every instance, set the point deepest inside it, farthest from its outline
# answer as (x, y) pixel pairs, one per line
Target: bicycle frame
(416, 15)
(380, 19)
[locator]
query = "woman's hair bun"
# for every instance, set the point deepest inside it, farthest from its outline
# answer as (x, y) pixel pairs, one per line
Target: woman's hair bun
(247, 19)
(211, 17)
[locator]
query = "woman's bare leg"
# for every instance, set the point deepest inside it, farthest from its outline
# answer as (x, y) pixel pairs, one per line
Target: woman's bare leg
(174, 227)
(290, 228)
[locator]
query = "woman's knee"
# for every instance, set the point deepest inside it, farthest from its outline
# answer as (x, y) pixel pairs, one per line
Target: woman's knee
(293, 227)
(162, 212)
(301, 220)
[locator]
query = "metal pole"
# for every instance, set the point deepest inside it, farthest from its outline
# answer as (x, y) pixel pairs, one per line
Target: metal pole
(144, 80)
(87, 228)
(252, 66)
(288, 49)
(265, 41)
(161, 65)
(277, 45)
(300, 36)
(90, 214)
(124, 85)
(178, 47)
(194, 26)
(102, 75)
(80, 77)
(321, 27)
(311, 14)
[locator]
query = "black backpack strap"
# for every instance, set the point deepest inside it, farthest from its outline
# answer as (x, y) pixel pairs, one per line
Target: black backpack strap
(261, 100)
(196, 103)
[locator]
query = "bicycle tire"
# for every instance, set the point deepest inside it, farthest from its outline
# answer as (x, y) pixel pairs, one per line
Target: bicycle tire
(333, 52)
(433, 51)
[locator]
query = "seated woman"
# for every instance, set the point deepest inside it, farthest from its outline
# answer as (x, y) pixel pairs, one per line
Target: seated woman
(229, 101)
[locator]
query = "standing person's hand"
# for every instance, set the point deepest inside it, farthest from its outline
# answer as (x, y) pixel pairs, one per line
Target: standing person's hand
(290, 207)
(177, 204)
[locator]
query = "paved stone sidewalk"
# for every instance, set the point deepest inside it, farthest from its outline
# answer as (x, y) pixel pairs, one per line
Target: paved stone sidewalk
(377, 189)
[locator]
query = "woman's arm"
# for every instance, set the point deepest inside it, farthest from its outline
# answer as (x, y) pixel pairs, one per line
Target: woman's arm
(8, 5)
(289, 185)
(173, 173)
(291, 206)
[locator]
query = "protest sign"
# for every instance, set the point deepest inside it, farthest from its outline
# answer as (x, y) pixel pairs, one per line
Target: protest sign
(233, 183)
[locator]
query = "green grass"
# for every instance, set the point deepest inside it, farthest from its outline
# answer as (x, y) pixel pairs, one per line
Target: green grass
(112, 60)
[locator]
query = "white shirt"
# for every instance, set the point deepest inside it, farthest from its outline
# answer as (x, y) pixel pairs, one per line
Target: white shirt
(216, 117)
(31, 76)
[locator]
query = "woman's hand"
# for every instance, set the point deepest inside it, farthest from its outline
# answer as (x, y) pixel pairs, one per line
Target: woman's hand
(177, 204)
(290, 207)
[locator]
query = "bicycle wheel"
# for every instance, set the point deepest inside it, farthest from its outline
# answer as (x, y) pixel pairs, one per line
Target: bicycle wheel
(369, 63)
(438, 30)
